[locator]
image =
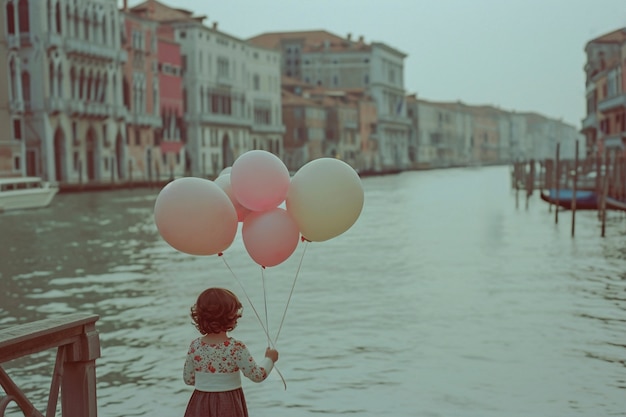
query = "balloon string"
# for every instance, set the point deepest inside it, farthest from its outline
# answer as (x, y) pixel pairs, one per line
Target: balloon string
(282, 320)
(267, 326)
(255, 313)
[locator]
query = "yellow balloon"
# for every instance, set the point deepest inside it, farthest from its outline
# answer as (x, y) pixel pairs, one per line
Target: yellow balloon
(325, 198)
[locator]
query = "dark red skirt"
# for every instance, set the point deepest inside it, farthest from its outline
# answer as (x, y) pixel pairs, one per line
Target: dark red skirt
(217, 404)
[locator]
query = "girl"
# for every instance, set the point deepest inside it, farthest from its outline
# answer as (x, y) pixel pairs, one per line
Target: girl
(215, 359)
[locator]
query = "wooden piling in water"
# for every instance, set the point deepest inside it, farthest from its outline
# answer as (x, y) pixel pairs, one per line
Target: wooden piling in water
(605, 189)
(557, 181)
(574, 189)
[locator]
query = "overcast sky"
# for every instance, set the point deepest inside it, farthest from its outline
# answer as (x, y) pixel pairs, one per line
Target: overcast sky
(523, 55)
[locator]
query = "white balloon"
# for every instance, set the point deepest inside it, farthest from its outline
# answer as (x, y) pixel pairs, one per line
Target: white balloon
(325, 198)
(195, 216)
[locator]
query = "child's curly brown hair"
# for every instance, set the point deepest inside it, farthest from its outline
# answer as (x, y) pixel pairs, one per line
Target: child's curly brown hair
(216, 310)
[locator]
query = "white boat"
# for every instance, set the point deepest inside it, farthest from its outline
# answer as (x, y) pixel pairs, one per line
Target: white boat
(25, 193)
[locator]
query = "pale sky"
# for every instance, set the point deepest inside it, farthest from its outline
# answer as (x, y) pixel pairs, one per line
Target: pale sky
(523, 55)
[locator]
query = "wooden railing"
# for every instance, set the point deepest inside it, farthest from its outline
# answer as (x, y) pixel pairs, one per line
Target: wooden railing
(78, 346)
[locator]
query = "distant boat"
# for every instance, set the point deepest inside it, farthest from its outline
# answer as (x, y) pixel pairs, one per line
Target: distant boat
(25, 193)
(585, 200)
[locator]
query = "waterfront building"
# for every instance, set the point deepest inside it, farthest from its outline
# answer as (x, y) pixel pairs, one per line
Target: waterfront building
(458, 134)
(324, 122)
(231, 92)
(604, 125)
(305, 124)
(64, 89)
(172, 136)
(12, 105)
(327, 60)
(438, 142)
(141, 94)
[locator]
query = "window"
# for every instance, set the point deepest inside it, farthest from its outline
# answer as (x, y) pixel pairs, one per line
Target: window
(26, 89)
(10, 15)
(24, 16)
(17, 129)
(223, 69)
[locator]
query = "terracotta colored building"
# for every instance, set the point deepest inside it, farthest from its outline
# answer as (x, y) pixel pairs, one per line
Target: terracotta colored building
(172, 135)
(604, 126)
(141, 94)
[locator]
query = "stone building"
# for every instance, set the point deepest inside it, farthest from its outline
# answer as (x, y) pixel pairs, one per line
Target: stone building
(63, 61)
(231, 92)
(329, 61)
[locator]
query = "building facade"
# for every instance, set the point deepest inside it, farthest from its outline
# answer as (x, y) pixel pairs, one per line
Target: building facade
(141, 94)
(604, 126)
(64, 61)
(327, 60)
(231, 92)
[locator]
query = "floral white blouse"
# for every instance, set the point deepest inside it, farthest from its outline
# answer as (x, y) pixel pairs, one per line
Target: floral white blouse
(227, 357)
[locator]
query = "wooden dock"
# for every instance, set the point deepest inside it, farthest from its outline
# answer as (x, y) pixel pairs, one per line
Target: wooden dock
(78, 346)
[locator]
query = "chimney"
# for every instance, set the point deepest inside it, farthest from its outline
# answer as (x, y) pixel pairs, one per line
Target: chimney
(125, 5)
(349, 37)
(214, 25)
(361, 39)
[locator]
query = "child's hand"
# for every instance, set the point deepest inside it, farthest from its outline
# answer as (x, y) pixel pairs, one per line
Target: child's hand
(272, 354)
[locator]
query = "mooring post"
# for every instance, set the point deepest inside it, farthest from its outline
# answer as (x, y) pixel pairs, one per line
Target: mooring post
(574, 189)
(557, 181)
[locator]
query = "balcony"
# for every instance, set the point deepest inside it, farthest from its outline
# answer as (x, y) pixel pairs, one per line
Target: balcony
(226, 119)
(53, 40)
(92, 50)
(268, 128)
(146, 120)
(613, 103)
(97, 110)
(617, 140)
(224, 81)
(75, 107)
(16, 106)
(119, 112)
(590, 122)
(13, 41)
(55, 105)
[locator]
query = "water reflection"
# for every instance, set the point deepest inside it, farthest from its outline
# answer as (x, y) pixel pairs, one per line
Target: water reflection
(443, 299)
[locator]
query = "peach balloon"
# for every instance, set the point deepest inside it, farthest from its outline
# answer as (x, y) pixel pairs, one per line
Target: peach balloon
(270, 237)
(259, 180)
(224, 182)
(195, 216)
(325, 198)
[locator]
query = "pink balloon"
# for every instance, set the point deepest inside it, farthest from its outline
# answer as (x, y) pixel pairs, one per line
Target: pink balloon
(224, 182)
(259, 180)
(195, 216)
(270, 237)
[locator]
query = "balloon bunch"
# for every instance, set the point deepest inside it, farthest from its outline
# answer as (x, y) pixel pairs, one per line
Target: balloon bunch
(200, 217)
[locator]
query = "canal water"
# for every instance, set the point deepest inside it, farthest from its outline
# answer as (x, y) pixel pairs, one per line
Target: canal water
(446, 298)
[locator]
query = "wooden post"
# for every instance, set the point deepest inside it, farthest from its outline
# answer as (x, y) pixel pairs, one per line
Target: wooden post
(78, 390)
(605, 189)
(530, 181)
(557, 181)
(574, 189)
(130, 173)
(548, 177)
(515, 180)
(80, 173)
(158, 172)
(112, 166)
